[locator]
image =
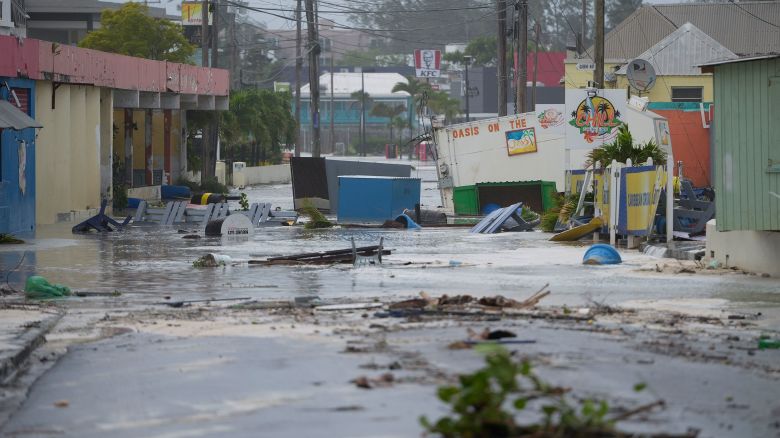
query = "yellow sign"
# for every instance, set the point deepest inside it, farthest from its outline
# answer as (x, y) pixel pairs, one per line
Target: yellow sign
(641, 194)
(521, 141)
(576, 180)
(192, 14)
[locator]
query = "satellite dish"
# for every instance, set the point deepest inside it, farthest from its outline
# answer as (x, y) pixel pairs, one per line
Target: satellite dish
(641, 75)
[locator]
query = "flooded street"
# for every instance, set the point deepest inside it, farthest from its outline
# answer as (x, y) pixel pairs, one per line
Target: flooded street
(129, 366)
(145, 263)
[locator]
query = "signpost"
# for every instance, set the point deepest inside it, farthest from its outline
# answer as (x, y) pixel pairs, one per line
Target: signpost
(427, 63)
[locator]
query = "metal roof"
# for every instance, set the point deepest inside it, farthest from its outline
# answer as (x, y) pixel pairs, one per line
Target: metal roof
(84, 7)
(14, 118)
(682, 51)
(376, 84)
(745, 59)
(745, 28)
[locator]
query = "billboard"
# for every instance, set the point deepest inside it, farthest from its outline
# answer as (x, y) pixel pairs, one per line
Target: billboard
(192, 14)
(427, 63)
(593, 118)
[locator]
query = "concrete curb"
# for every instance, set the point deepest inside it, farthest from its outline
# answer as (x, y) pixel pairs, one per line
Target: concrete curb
(10, 362)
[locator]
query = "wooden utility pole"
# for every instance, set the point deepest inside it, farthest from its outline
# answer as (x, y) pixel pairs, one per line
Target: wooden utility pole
(214, 139)
(362, 113)
(205, 133)
(234, 49)
(501, 38)
(583, 28)
(298, 68)
(598, 72)
(332, 110)
(204, 34)
(537, 30)
(314, 77)
(522, 45)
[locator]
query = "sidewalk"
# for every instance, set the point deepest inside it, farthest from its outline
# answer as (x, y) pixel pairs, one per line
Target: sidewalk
(23, 328)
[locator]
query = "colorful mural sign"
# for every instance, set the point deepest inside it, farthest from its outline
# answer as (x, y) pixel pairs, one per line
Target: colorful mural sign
(521, 141)
(592, 120)
(550, 118)
(662, 135)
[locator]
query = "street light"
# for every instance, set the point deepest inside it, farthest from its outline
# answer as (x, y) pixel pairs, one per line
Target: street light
(466, 61)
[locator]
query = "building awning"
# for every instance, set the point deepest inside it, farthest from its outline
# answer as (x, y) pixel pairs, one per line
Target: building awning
(14, 118)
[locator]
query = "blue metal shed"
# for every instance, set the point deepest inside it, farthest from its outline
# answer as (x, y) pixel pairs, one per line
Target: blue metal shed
(376, 198)
(17, 156)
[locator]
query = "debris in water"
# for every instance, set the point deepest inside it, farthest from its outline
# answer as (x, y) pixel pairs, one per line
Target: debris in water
(211, 260)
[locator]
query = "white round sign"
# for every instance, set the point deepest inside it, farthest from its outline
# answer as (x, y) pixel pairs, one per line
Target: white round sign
(641, 75)
(237, 225)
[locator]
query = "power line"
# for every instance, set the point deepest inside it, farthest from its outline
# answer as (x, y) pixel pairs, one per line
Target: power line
(397, 11)
(361, 29)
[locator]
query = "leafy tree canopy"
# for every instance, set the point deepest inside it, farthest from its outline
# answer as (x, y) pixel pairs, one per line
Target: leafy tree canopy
(258, 123)
(130, 30)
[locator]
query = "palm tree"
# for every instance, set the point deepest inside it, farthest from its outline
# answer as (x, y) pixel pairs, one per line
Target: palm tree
(417, 90)
(414, 87)
(441, 103)
(382, 109)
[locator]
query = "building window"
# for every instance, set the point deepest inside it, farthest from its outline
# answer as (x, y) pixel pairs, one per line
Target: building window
(687, 94)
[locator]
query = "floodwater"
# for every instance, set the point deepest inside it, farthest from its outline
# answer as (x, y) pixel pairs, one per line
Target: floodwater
(146, 263)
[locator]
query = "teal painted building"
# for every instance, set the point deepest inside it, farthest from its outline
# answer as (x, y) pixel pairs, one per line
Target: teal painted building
(747, 143)
(346, 106)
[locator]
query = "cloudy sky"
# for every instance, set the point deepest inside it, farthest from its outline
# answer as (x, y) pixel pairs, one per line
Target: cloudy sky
(273, 22)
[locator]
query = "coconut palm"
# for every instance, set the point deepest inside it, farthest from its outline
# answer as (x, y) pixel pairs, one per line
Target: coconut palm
(414, 87)
(382, 109)
(441, 103)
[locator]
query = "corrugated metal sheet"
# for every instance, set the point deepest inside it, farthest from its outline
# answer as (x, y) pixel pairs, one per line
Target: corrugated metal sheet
(43, 60)
(376, 84)
(12, 117)
(682, 51)
(745, 28)
(747, 145)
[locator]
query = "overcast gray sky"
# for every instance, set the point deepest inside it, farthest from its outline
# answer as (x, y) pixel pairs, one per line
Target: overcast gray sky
(280, 23)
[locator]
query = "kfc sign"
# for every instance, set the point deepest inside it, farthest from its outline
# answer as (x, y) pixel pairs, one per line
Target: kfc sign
(427, 63)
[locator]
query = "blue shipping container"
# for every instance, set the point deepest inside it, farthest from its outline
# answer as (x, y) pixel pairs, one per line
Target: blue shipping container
(376, 198)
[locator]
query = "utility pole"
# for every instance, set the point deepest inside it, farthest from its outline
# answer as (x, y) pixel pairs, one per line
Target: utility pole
(234, 48)
(466, 61)
(314, 77)
(598, 72)
(214, 144)
(522, 45)
(205, 134)
(332, 113)
(583, 28)
(298, 68)
(204, 34)
(362, 113)
(501, 38)
(537, 30)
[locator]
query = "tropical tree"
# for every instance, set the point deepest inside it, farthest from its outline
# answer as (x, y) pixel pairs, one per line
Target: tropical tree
(441, 103)
(417, 89)
(390, 112)
(130, 30)
(257, 124)
(624, 148)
